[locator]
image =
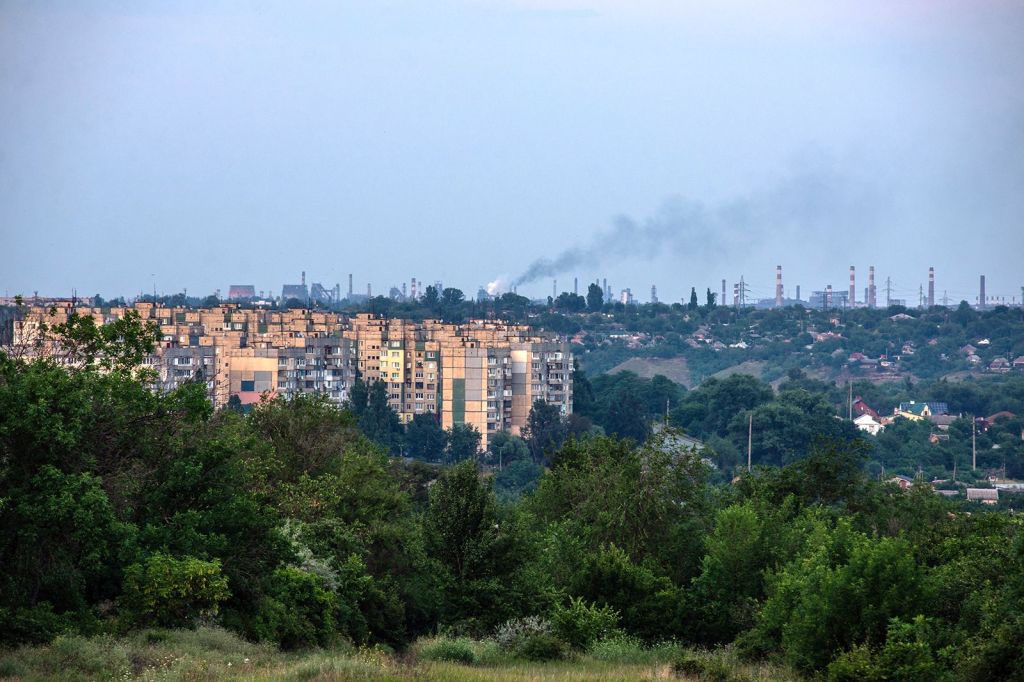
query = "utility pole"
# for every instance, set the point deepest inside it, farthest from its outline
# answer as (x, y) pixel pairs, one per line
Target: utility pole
(750, 439)
(974, 444)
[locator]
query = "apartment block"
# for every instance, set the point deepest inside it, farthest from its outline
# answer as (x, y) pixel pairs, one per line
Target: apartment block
(483, 373)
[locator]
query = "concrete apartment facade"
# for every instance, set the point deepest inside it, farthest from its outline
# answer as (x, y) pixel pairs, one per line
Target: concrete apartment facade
(483, 373)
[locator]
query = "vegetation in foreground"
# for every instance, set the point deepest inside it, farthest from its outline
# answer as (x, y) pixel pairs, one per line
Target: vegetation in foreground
(211, 653)
(122, 510)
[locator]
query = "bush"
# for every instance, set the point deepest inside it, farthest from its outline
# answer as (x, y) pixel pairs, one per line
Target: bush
(581, 625)
(299, 612)
(855, 665)
(170, 592)
(512, 633)
(449, 650)
(541, 646)
(705, 666)
(33, 624)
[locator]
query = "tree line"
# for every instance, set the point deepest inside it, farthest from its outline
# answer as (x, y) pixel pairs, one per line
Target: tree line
(123, 508)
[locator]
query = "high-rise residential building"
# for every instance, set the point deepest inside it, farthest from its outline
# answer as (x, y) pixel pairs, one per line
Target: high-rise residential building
(483, 373)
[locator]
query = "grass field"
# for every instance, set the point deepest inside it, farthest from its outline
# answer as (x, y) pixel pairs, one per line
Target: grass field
(675, 369)
(215, 654)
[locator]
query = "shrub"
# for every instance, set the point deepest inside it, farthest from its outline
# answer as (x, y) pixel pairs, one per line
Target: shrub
(704, 666)
(511, 634)
(581, 625)
(171, 592)
(449, 650)
(36, 623)
(541, 646)
(620, 649)
(855, 665)
(299, 612)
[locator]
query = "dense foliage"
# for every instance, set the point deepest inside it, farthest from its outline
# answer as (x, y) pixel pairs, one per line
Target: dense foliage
(121, 508)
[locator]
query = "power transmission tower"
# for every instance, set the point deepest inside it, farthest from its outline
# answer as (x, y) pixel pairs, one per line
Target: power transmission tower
(744, 290)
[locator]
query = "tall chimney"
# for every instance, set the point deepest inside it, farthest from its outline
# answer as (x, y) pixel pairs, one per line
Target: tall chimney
(369, 291)
(871, 286)
(723, 293)
(654, 294)
(931, 287)
(303, 278)
(981, 297)
(778, 286)
(554, 289)
(576, 285)
(350, 285)
(828, 297)
(412, 288)
(853, 287)
(735, 294)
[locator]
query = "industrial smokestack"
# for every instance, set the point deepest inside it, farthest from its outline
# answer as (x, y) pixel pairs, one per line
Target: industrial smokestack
(828, 297)
(722, 301)
(981, 294)
(931, 287)
(412, 288)
(369, 291)
(736, 294)
(853, 286)
(871, 286)
(554, 289)
(798, 292)
(654, 294)
(576, 286)
(350, 285)
(605, 290)
(303, 278)
(778, 286)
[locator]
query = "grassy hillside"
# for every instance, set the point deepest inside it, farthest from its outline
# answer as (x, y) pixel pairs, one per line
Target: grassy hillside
(675, 369)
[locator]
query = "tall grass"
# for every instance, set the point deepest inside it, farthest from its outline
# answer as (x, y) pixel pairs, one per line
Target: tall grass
(209, 654)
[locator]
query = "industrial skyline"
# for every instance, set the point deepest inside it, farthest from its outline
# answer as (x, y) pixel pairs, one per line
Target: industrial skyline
(875, 290)
(195, 145)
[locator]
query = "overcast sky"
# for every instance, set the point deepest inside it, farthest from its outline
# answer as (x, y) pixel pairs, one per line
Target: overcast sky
(201, 144)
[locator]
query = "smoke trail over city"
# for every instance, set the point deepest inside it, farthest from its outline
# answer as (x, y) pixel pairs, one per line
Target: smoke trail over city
(809, 206)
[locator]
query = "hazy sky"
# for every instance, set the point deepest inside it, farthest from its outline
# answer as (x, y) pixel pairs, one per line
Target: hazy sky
(200, 144)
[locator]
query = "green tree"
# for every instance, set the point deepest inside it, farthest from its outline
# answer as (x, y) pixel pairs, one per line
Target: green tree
(431, 298)
(379, 422)
(506, 448)
(167, 592)
(544, 431)
(625, 416)
(425, 439)
(725, 595)
(710, 299)
(693, 299)
(595, 297)
(479, 553)
(451, 297)
(463, 443)
(358, 396)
